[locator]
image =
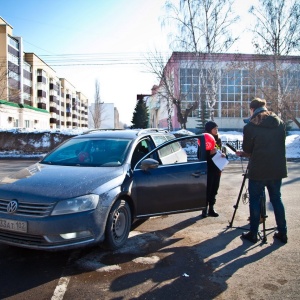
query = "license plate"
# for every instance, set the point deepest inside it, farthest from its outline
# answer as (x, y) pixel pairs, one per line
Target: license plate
(12, 225)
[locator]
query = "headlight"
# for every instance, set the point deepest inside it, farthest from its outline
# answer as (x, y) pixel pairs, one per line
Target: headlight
(76, 205)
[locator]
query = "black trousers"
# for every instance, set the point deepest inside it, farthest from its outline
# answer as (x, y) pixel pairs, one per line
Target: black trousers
(213, 183)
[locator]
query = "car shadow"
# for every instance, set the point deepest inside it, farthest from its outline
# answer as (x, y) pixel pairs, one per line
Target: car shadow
(189, 271)
(185, 271)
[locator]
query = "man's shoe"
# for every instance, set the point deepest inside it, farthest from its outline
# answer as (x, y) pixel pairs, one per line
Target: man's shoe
(213, 213)
(204, 213)
(281, 236)
(250, 237)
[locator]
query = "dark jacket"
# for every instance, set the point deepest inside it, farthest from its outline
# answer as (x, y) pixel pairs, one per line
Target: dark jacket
(264, 140)
(210, 164)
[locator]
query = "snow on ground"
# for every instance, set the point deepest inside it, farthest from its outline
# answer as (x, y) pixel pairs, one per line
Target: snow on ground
(292, 140)
(33, 130)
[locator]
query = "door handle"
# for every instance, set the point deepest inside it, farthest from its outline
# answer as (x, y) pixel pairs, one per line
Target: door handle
(196, 174)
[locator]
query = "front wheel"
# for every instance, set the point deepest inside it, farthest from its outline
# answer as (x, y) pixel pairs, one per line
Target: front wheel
(118, 225)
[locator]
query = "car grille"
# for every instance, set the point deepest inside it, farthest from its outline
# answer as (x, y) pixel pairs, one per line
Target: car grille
(29, 209)
(20, 238)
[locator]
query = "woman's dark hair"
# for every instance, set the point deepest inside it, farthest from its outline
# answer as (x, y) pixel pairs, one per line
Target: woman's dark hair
(257, 102)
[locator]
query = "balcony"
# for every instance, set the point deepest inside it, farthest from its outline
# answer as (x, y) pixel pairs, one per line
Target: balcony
(28, 102)
(53, 120)
(41, 79)
(42, 105)
(53, 109)
(53, 99)
(53, 86)
(41, 94)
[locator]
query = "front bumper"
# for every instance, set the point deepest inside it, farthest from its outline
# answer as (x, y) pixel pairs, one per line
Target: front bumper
(60, 232)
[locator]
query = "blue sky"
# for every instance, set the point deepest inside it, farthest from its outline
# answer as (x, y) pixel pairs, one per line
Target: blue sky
(85, 40)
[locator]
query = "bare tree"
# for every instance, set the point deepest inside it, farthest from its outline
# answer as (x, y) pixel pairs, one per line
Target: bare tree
(3, 80)
(97, 109)
(203, 25)
(277, 28)
(10, 93)
(156, 65)
(277, 33)
(203, 29)
(167, 76)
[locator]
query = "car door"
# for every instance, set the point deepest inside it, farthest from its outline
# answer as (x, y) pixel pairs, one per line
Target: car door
(170, 188)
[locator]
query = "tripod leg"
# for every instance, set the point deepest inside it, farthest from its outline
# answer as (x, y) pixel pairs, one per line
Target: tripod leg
(238, 201)
(263, 214)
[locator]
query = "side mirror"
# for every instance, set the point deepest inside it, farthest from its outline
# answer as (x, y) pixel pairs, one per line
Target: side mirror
(149, 163)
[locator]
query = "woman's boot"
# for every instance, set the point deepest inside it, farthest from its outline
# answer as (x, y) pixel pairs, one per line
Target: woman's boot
(204, 212)
(212, 212)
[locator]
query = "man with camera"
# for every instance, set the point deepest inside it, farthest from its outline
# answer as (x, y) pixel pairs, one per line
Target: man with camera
(264, 144)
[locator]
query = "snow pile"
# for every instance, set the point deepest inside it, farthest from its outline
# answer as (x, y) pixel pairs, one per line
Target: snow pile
(32, 130)
(292, 140)
(292, 143)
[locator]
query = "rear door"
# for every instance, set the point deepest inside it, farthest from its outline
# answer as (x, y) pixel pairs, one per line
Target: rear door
(170, 188)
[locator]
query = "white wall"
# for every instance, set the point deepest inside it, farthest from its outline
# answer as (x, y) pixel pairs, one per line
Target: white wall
(107, 120)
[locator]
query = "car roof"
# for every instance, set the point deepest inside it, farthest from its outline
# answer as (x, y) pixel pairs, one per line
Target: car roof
(122, 133)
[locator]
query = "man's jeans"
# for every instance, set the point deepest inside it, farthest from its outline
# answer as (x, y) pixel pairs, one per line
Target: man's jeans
(256, 189)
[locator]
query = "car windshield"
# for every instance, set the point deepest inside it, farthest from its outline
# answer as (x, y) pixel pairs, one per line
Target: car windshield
(108, 152)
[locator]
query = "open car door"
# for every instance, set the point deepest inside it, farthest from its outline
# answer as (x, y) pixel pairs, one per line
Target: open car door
(172, 188)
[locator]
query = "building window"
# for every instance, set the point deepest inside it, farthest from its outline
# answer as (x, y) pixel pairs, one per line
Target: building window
(13, 59)
(14, 43)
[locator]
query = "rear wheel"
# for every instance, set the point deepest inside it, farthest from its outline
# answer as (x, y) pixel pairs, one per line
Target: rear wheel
(118, 225)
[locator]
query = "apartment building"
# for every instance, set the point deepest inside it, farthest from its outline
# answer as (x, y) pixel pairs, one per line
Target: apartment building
(31, 93)
(229, 81)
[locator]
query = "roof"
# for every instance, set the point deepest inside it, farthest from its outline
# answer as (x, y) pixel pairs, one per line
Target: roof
(20, 105)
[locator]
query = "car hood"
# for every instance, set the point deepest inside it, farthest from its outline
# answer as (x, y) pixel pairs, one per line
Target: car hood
(58, 182)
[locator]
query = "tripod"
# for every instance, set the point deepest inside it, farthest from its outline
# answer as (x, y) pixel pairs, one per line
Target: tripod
(263, 212)
(239, 197)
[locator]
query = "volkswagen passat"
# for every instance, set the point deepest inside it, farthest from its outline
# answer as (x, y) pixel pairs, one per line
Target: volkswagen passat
(91, 189)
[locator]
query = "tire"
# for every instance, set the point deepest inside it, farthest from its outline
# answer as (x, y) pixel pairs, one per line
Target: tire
(118, 225)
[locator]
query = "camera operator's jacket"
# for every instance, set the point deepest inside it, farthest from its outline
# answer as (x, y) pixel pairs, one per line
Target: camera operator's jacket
(264, 140)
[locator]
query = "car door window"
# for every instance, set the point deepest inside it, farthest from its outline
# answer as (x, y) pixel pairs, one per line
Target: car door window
(140, 151)
(165, 151)
(175, 146)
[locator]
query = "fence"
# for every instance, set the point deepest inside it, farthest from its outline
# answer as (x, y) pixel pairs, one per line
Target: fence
(235, 144)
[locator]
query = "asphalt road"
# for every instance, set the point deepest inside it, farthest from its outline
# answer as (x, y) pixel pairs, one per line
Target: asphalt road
(173, 257)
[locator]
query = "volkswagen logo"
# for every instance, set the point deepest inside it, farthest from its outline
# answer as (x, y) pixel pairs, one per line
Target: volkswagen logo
(12, 206)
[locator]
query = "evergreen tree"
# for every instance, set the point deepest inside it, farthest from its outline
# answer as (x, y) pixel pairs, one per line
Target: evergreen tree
(203, 117)
(140, 116)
